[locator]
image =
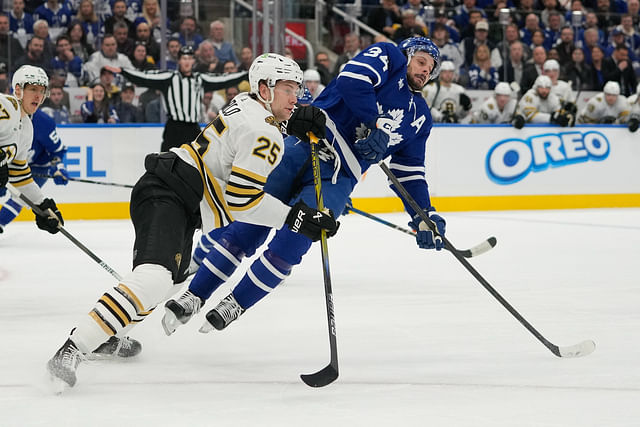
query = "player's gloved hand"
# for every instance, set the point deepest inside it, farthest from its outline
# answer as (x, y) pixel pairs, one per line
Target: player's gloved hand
(449, 117)
(607, 120)
(426, 238)
(310, 222)
(560, 119)
(633, 125)
(49, 222)
(465, 102)
(307, 119)
(518, 121)
(4, 168)
(59, 173)
(374, 145)
(570, 107)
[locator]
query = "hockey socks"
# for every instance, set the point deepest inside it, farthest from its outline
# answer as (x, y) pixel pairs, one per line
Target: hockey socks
(9, 211)
(263, 276)
(220, 263)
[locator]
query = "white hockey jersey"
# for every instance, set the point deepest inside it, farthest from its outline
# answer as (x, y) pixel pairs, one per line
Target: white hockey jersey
(634, 103)
(597, 108)
(16, 135)
(563, 91)
(489, 112)
(235, 154)
(442, 99)
(538, 110)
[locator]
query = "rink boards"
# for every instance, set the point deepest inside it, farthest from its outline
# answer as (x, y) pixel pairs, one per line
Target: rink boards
(469, 168)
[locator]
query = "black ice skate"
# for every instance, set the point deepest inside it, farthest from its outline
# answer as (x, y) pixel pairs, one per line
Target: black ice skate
(115, 348)
(64, 363)
(181, 311)
(224, 313)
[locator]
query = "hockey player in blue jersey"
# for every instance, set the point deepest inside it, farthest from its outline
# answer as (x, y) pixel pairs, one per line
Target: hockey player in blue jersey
(45, 158)
(374, 109)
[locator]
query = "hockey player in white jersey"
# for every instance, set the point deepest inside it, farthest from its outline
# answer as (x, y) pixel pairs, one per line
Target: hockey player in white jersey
(607, 107)
(497, 109)
(634, 104)
(559, 88)
(31, 87)
(540, 105)
(216, 179)
(448, 101)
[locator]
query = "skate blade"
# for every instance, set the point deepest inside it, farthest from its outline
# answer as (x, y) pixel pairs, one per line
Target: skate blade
(206, 328)
(169, 322)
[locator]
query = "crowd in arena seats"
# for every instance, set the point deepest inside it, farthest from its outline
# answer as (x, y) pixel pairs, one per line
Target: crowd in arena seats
(73, 40)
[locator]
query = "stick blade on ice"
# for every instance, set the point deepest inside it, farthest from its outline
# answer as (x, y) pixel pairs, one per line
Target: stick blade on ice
(582, 349)
(321, 378)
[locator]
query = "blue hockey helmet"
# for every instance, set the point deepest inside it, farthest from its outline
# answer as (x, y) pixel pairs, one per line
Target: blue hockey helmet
(415, 44)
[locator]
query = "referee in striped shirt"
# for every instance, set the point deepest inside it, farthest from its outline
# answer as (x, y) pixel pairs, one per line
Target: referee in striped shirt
(182, 91)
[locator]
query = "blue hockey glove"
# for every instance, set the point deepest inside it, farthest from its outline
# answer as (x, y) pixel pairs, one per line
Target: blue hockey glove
(374, 145)
(59, 173)
(424, 236)
(4, 168)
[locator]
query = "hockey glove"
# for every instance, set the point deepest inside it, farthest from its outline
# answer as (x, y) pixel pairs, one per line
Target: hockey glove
(570, 107)
(560, 119)
(52, 218)
(310, 222)
(373, 146)
(59, 173)
(4, 168)
(633, 125)
(449, 117)
(307, 119)
(607, 120)
(426, 238)
(465, 102)
(518, 121)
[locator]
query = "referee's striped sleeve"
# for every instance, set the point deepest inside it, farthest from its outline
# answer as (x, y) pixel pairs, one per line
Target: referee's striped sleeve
(215, 82)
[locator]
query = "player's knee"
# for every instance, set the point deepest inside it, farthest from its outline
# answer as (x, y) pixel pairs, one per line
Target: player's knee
(147, 285)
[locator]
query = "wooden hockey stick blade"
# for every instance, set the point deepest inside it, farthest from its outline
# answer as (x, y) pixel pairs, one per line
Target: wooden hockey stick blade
(321, 378)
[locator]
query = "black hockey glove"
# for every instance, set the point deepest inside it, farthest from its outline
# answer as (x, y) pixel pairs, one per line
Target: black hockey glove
(449, 117)
(633, 125)
(607, 120)
(49, 222)
(465, 102)
(4, 168)
(518, 121)
(310, 222)
(560, 119)
(307, 119)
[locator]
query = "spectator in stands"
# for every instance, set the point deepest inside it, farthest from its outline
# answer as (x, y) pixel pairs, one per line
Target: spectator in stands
(515, 64)
(54, 106)
(550, 8)
(107, 55)
(223, 50)
(443, 19)
(633, 9)
(533, 68)
(553, 30)
(139, 58)
(607, 15)
(616, 39)
(525, 8)
(246, 58)
(107, 80)
(351, 49)
(230, 93)
(118, 15)
(206, 59)
(418, 7)
(41, 29)
(578, 73)
(79, 43)
(231, 67)
(631, 36)
(67, 61)
(576, 6)
(143, 35)
(511, 35)
(20, 23)
(538, 39)
(475, 16)
(34, 56)
(173, 47)
(469, 44)
(97, 108)
(618, 68)
(565, 47)
(409, 27)
(449, 50)
(385, 18)
(531, 24)
(126, 111)
(10, 48)
(151, 16)
(89, 20)
(311, 79)
(57, 15)
(463, 17)
(124, 42)
(188, 34)
(482, 75)
(323, 65)
(597, 58)
(591, 21)
(590, 38)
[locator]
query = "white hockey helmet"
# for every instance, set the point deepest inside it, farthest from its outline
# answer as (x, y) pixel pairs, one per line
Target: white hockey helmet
(30, 75)
(612, 88)
(271, 67)
(503, 88)
(542, 81)
(311, 75)
(447, 66)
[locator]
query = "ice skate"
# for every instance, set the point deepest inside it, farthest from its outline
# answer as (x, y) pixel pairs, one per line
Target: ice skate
(115, 347)
(181, 311)
(224, 313)
(63, 365)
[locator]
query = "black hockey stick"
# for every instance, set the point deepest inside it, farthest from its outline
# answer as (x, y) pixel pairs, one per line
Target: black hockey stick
(581, 349)
(328, 374)
(86, 181)
(478, 249)
(68, 235)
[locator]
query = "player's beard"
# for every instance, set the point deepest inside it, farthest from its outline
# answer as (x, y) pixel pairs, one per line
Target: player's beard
(417, 81)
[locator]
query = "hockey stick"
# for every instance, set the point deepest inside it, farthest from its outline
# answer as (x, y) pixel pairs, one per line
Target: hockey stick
(86, 181)
(479, 249)
(68, 235)
(328, 374)
(581, 349)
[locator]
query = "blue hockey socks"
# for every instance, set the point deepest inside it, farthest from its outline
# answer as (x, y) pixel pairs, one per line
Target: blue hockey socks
(263, 276)
(221, 261)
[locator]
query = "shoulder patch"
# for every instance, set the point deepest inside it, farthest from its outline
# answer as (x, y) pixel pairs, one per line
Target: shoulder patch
(271, 120)
(14, 102)
(591, 107)
(490, 106)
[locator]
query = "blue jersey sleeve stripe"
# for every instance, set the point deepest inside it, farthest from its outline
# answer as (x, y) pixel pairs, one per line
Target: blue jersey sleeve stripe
(368, 67)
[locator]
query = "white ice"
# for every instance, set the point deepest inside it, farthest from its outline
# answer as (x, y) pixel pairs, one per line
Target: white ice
(420, 341)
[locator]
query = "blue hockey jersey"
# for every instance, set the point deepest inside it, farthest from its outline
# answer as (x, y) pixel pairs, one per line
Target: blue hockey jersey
(373, 83)
(46, 143)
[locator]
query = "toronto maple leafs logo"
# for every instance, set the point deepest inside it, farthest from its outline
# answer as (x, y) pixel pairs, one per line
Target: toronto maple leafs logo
(400, 84)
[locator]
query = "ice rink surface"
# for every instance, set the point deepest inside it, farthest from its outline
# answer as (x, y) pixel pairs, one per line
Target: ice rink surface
(420, 341)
